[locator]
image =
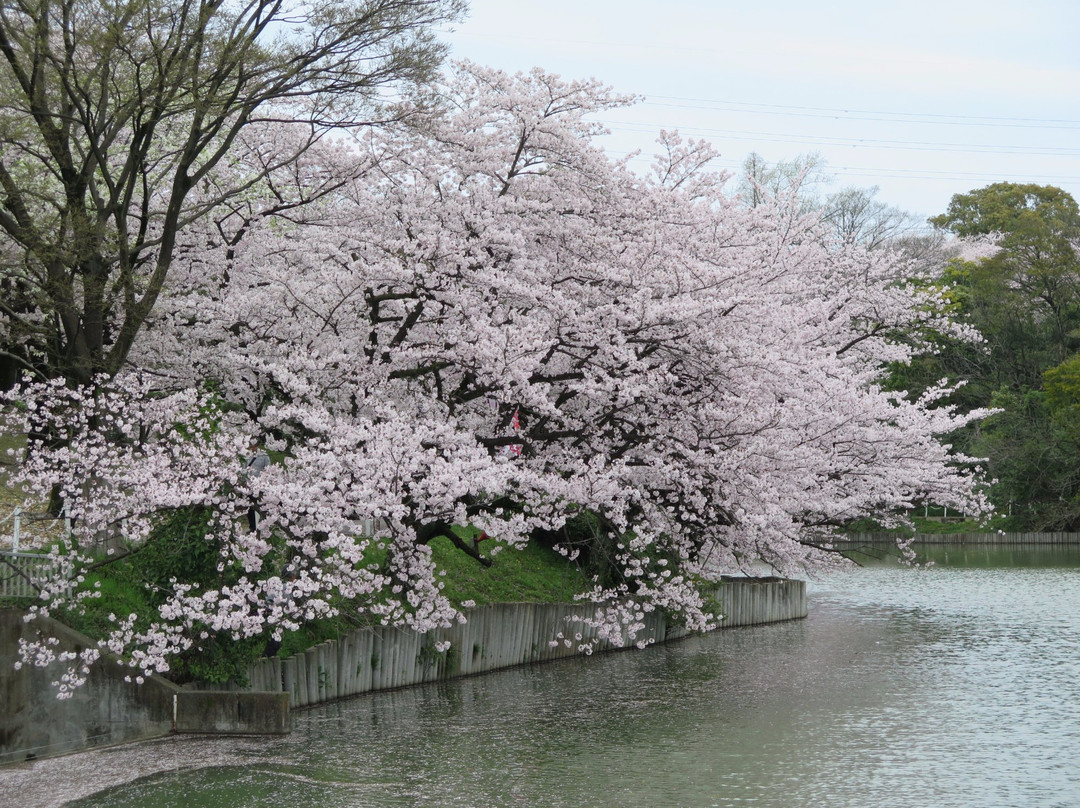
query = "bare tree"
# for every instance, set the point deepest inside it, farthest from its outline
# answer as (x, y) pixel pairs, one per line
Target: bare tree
(854, 214)
(113, 111)
(798, 176)
(858, 217)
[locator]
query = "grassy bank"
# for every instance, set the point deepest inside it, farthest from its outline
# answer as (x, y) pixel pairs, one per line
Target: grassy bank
(138, 584)
(533, 575)
(11, 448)
(937, 526)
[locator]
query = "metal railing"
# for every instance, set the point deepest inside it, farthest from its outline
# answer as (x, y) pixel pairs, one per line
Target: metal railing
(21, 572)
(18, 516)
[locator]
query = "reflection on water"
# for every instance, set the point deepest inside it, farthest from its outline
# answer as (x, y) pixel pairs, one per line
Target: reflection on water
(947, 686)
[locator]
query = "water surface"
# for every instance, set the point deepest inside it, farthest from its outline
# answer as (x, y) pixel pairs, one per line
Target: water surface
(949, 686)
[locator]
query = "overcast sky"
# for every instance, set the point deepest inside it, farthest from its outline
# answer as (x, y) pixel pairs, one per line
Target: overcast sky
(924, 99)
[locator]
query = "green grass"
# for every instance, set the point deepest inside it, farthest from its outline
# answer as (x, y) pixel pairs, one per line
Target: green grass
(935, 526)
(534, 575)
(9, 498)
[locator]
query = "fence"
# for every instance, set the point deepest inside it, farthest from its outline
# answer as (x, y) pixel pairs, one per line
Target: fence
(961, 538)
(495, 636)
(18, 516)
(19, 573)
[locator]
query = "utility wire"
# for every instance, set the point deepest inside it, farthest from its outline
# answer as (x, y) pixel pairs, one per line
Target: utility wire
(835, 113)
(891, 173)
(904, 145)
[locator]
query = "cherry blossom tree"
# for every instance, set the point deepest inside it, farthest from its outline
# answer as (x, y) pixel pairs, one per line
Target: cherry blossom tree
(113, 116)
(492, 325)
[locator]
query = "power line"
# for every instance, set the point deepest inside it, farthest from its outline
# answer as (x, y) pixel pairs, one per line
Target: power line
(904, 145)
(896, 173)
(836, 113)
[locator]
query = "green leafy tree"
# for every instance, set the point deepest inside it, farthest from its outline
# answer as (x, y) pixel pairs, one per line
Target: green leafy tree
(1029, 291)
(1033, 451)
(1025, 300)
(1020, 213)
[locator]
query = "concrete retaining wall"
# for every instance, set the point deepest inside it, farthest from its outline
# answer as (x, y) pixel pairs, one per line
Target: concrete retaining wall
(107, 710)
(964, 538)
(495, 636)
(233, 713)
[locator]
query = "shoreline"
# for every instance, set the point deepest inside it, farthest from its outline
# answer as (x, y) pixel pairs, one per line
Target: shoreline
(987, 538)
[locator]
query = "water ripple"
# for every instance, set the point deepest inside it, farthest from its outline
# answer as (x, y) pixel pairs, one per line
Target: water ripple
(950, 687)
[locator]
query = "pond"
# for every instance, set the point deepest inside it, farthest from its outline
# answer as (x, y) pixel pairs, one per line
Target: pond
(953, 685)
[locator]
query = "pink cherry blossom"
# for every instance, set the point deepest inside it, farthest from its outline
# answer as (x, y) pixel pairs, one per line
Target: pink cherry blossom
(476, 317)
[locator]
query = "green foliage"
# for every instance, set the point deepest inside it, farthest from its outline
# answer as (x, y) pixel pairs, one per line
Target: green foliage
(314, 633)
(937, 526)
(118, 596)
(1026, 298)
(1025, 301)
(1062, 386)
(597, 545)
(177, 548)
(1020, 212)
(942, 356)
(1034, 456)
(218, 660)
(140, 581)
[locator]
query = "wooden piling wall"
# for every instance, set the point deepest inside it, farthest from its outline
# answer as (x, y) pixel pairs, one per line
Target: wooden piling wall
(496, 636)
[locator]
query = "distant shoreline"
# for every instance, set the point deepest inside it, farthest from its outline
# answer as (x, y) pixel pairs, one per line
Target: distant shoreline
(958, 538)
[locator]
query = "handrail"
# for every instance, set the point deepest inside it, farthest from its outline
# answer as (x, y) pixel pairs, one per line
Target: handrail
(24, 567)
(17, 524)
(18, 514)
